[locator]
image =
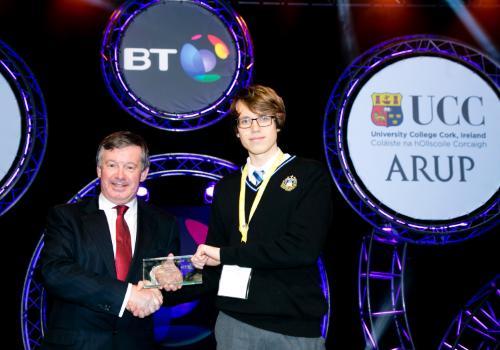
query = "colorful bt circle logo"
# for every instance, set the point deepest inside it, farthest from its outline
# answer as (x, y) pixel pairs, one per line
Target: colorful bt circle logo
(198, 63)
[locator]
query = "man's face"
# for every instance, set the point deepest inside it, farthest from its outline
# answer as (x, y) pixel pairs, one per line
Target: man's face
(120, 171)
(257, 140)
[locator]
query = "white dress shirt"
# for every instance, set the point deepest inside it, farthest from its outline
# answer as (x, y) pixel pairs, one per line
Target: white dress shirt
(265, 167)
(130, 218)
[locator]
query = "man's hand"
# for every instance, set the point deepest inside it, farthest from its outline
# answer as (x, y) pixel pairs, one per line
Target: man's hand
(168, 275)
(206, 255)
(144, 302)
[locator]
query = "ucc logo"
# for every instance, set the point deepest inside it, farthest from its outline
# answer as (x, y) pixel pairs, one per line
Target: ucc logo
(386, 109)
(198, 58)
(448, 110)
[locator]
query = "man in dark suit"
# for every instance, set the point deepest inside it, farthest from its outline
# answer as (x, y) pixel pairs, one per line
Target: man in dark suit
(91, 263)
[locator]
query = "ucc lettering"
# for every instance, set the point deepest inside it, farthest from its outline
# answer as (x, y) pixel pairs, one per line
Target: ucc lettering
(139, 58)
(450, 110)
(434, 170)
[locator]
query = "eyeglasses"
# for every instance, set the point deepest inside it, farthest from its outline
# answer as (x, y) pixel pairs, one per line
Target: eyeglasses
(262, 120)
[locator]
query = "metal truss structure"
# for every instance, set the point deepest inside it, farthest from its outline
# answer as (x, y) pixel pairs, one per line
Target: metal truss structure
(34, 128)
(325, 287)
(161, 119)
(381, 293)
(477, 326)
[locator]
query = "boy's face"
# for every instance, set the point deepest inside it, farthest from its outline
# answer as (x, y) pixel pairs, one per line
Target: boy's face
(257, 140)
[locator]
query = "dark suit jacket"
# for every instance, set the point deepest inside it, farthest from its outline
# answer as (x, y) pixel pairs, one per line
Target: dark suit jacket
(78, 270)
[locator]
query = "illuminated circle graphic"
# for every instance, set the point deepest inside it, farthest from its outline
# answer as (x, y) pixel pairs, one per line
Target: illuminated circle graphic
(23, 129)
(162, 165)
(198, 63)
(10, 133)
(401, 162)
(421, 145)
(175, 65)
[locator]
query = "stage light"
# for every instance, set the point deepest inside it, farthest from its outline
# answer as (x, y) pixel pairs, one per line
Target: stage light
(143, 193)
(348, 39)
(104, 4)
(391, 3)
(76, 5)
(85, 16)
(474, 27)
(101, 3)
(209, 193)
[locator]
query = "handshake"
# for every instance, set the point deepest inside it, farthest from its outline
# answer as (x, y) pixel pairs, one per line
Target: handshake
(170, 274)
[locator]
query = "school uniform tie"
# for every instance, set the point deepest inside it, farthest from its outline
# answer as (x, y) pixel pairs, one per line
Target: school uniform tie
(123, 246)
(258, 176)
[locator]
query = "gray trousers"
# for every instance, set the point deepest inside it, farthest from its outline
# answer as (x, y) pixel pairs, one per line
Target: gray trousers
(232, 334)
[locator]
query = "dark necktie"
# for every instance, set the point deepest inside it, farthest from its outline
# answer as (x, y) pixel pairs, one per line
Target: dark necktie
(123, 245)
(259, 176)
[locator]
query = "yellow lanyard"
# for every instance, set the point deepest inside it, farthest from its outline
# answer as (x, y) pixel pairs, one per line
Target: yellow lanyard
(243, 225)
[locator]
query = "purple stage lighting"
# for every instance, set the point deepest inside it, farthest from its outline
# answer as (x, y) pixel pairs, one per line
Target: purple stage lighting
(23, 127)
(381, 293)
(143, 193)
(209, 193)
(477, 326)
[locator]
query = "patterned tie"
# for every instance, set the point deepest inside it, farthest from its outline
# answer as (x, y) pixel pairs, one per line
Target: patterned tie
(123, 245)
(258, 175)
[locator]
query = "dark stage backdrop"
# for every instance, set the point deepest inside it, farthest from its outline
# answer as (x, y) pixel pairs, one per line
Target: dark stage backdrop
(298, 51)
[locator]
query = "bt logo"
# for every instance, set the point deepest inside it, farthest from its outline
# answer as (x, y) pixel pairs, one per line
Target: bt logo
(197, 63)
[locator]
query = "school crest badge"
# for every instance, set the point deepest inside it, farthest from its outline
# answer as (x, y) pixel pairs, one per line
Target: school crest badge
(289, 183)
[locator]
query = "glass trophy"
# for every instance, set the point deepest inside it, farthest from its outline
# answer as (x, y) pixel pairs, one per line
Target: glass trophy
(157, 272)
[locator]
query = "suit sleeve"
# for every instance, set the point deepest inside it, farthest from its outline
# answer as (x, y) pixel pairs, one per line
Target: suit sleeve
(174, 245)
(65, 278)
(216, 236)
(305, 235)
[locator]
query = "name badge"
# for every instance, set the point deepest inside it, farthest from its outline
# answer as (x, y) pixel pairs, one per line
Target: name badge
(234, 281)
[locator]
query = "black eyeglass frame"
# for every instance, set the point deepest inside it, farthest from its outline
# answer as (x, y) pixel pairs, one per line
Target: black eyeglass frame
(273, 117)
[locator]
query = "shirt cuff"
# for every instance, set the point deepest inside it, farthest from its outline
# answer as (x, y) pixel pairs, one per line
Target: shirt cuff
(125, 300)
